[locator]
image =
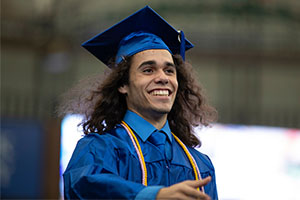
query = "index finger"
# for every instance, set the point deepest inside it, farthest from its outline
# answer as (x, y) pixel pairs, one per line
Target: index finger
(199, 183)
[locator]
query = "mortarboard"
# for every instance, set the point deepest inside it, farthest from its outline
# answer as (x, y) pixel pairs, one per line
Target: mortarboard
(144, 29)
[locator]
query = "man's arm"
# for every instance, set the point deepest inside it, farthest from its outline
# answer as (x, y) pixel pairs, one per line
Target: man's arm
(94, 172)
(99, 186)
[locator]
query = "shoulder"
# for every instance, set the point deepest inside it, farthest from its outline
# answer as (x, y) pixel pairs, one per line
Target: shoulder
(106, 143)
(94, 147)
(114, 138)
(202, 159)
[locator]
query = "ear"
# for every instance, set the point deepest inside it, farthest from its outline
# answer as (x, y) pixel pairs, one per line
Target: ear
(123, 89)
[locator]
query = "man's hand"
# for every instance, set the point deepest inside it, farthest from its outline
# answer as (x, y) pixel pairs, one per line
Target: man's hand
(184, 190)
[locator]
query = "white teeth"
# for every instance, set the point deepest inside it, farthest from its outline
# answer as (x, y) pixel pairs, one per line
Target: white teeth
(160, 93)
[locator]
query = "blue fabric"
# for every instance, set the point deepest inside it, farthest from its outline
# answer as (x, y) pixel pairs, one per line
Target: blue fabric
(105, 45)
(142, 127)
(106, 166)
(137, 42)
(149, 192)
(159, 139)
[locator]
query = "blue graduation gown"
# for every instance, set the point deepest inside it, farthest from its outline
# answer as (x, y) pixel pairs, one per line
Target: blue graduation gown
(107, 167)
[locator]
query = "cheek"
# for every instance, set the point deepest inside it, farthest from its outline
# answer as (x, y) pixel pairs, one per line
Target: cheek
(175, 84)
(137, 91)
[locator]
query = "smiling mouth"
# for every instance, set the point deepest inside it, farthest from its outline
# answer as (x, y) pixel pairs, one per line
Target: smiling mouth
(160, 93)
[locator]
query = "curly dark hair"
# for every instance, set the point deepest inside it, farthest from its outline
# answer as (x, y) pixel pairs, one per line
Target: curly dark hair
(104, 106)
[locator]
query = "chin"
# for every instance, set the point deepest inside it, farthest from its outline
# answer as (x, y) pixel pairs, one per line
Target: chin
(162, 110)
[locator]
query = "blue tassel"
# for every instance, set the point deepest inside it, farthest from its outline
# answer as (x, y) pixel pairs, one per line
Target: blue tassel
(182, 45)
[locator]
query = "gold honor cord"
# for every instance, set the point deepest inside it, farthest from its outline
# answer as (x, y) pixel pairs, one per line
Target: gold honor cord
(191, 159)
(138, 149)
(142, 160)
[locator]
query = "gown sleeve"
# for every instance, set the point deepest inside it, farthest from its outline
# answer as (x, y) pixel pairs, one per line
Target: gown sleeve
(93, 172)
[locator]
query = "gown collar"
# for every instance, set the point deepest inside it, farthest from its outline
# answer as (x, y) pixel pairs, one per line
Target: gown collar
(142, 127)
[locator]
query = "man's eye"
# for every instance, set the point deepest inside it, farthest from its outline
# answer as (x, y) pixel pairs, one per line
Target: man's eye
(147, 70)
(170, 71)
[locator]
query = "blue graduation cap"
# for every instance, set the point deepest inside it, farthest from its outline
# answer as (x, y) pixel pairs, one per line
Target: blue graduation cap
(143, 30)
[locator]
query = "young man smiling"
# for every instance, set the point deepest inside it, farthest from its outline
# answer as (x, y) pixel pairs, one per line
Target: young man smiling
(139, 122)
(152, 86)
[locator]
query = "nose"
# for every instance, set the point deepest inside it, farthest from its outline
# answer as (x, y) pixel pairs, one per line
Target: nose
(161, 77)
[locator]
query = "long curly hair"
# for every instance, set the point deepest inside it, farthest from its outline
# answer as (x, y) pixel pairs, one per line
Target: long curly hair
(104, 106)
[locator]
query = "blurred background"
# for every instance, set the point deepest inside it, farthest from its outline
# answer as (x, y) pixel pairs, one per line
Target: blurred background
(246, 55)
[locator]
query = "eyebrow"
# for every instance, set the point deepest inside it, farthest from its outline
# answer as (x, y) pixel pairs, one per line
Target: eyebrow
(149, 62)
(152, 62)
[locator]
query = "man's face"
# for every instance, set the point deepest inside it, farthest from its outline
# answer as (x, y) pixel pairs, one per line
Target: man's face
(152, 83)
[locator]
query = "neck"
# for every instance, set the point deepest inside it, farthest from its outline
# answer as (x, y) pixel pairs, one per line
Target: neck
(158, 120)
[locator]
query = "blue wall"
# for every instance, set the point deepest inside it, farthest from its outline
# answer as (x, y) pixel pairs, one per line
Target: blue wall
(21, 159)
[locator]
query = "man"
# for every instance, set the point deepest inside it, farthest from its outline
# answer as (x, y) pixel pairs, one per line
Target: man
(139, 139)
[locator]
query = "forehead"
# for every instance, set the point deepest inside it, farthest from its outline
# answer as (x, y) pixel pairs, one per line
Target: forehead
(157, 55)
